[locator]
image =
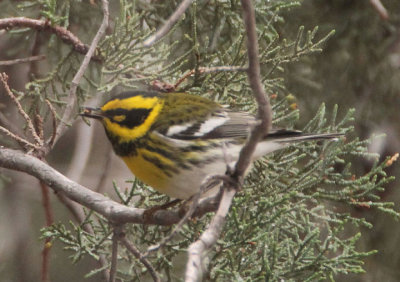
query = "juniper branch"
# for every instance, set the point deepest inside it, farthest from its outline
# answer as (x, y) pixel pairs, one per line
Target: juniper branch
(64, 34)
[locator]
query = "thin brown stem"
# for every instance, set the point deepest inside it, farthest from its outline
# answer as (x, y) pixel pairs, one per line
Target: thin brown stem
(131, 248)
(49, 221)
(22, 60)
(20, 140)
(114, 254)
(4, 80)
(64, 34)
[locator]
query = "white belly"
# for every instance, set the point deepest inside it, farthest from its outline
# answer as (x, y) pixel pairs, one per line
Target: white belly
(188, 181)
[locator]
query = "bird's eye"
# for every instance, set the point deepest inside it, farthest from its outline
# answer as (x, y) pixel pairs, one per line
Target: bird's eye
(119, 118)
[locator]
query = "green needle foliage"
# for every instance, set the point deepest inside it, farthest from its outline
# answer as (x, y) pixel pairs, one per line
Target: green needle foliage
(293, 220)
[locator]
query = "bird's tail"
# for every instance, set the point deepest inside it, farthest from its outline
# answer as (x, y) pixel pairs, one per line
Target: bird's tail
(288, 136)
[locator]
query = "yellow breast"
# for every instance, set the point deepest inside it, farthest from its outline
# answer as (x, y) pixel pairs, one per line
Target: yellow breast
(147, 171)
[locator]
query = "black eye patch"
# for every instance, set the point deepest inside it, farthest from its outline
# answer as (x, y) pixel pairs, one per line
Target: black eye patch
(133, 117)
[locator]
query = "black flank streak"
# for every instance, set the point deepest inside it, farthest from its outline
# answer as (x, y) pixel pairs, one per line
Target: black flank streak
(165, 168)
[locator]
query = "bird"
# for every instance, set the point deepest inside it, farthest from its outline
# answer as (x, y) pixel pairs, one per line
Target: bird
(173, 141)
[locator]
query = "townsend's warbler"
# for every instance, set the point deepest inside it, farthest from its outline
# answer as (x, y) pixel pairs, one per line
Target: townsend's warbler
(173, 141)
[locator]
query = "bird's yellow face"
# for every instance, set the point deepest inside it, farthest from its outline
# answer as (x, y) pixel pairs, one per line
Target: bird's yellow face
(130, 118)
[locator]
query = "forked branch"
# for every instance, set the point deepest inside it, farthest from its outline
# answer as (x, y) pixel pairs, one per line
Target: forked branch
(198, 249)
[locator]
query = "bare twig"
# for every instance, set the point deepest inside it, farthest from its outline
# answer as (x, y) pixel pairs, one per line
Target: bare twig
(19, 139)
(378, 6)
(130, 247)
(264, 107)
(46, 203)
(168, 24)
(194, 267)
(22, 60)
(114, 254)
(111, 210)
(38, 123)
(4, 79)
(65, 35)
(68, 112)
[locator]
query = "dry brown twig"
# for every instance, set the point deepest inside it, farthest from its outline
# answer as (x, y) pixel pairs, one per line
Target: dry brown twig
(19, 139)
(35, 128)
(131, 248)
(22, 60)
(114, 252)
(4, 80)
(65, 35)
(38, 123)
(194, 267)
(49, 221)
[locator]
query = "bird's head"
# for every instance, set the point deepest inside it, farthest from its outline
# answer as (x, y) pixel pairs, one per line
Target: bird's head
(129, 115)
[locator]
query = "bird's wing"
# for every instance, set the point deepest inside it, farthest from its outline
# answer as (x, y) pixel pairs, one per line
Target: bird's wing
(218, 123)
(188, 117)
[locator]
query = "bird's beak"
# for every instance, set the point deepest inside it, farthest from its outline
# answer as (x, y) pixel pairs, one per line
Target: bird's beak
(90, 112)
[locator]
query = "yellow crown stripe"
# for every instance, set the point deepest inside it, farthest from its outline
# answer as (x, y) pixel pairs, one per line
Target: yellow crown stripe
(135, 102)
(128, 134)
